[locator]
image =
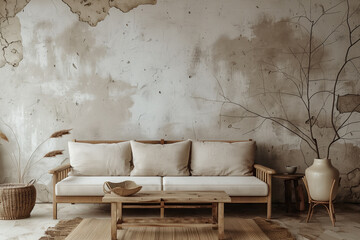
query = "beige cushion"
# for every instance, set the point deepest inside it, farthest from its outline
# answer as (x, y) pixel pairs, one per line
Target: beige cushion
(93, 185)
(232, 185)
(100, 159)
(160, 159)
(222, 159)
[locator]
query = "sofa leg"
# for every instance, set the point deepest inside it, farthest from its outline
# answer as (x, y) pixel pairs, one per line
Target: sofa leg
(54, 209)
(268, 215)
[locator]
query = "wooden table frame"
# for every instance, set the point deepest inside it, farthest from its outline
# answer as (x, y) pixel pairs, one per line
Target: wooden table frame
(297, 190)
(216, 220)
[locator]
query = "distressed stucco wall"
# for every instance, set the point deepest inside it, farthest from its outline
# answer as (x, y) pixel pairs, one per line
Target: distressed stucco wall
(110, 70)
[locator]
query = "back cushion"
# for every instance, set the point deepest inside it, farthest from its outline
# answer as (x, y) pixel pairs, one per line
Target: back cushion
(222, 159)
(160, 160)
(100, 159)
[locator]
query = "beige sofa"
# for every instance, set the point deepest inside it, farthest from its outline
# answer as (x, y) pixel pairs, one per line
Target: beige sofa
(162, 165)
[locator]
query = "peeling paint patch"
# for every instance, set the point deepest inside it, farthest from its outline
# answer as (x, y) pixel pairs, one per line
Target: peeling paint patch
(11, 49)
(348, 103)
(93, 12)
(354, 177)
(127, 5)
(354, 182)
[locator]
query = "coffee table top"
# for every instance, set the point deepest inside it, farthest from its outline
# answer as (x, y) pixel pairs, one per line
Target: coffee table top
(170, 196)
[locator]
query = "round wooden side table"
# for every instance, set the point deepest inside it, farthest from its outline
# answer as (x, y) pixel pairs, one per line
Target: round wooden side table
(297, 190)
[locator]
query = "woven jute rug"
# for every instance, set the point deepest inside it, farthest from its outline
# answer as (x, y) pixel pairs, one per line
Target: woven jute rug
(235, 228)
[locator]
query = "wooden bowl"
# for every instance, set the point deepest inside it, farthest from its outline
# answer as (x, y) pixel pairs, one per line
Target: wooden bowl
(125, 188)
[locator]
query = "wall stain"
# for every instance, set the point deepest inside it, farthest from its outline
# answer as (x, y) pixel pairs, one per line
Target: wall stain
(257, 68)
(94, 102)
(348, 103)
(89, 11)
(195, 61)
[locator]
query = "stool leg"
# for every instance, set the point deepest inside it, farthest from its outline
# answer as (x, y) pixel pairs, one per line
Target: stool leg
(331, 206)
(310, 212)
(300, 191)
(297, 198)
(332, 213)
(288, 195)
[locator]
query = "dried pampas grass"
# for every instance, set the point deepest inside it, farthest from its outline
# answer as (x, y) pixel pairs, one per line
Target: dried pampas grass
(60, 133)
(3, 136)
(53, 153)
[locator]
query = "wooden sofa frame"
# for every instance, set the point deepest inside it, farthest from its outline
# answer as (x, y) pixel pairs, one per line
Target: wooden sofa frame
(61, 172)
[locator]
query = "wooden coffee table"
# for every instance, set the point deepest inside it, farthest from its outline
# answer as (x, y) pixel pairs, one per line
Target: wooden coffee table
(216, 221)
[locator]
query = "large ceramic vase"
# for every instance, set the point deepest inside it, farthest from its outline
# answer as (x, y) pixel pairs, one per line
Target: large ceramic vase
(320, 177)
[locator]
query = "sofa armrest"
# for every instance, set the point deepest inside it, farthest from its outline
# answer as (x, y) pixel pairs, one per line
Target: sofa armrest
(59, 173)
(262, 168)
(59, 168)
(264, 173)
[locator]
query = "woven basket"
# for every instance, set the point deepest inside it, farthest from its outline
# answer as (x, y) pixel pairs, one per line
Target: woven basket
(125, 188)
(16, 200)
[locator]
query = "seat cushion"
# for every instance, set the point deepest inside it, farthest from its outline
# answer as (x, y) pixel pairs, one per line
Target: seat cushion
(160, 159)
(93, 186)
(100, 159)
(222, 158)
(232, 185)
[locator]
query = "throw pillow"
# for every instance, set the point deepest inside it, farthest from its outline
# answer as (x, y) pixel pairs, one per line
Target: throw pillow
(160, 159)
(222, 159)
(100, 159)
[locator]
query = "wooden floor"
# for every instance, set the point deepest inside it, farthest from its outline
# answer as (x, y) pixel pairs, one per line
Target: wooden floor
(235, 228)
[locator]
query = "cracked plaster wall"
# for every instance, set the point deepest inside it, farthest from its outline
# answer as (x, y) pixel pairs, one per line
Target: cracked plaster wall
(154, 72)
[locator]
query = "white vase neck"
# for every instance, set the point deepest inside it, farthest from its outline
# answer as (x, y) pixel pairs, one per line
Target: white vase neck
(321, 161)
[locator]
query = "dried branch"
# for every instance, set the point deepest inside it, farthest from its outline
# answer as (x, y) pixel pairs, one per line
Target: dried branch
(348, 124)
(308, 90)
(336, 135)
(346, 61)
(3, 136)
(21, 172)
(318, 92)
(53, 153)
(278, 121)
(323, 105)
(348, 133)
(232, 116)
(60, 133)
(258, 126)
(302, 83)
(325, 12)
(18, 162)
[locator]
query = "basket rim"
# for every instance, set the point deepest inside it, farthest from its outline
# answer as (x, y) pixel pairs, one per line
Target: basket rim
(14, 185)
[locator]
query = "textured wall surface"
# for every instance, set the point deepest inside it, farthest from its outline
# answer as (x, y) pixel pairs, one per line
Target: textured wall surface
(175, 70)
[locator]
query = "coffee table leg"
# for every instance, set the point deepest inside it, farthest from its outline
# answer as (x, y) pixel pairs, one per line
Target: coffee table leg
(162, 209)
(221, 220)
(113, 221)
(214, 214)
(119, 214)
